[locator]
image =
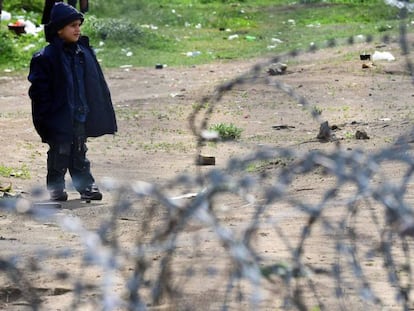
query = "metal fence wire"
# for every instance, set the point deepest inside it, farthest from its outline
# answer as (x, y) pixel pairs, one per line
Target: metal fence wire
(351, 251)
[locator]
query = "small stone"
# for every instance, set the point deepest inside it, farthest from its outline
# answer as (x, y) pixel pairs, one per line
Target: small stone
(361, 135)
(324, 132)
(277, 69)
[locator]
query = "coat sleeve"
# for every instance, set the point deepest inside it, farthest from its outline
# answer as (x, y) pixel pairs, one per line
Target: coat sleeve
(51, 111)
(40, 90)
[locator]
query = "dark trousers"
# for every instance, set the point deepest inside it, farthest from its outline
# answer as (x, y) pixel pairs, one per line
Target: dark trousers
(62, 157)
(84, 5)
(47, 9)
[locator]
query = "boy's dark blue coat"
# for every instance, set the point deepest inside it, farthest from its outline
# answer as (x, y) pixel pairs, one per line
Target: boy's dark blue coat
(51, 110)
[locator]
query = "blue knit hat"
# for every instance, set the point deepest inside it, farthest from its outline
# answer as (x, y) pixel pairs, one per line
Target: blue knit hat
(62, 14)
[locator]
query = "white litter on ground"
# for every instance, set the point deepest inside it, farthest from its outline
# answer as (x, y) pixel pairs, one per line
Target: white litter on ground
(382, 56)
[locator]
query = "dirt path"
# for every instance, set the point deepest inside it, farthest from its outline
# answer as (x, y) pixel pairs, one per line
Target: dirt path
(155, 145)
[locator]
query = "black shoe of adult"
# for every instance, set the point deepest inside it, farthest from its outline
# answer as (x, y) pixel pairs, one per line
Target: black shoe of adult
(58, 195)
(91, 193)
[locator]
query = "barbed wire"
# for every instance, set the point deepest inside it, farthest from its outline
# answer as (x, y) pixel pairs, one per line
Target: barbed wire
(359, 218)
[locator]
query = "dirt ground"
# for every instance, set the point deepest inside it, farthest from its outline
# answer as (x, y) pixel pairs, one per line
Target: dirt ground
(155, 144)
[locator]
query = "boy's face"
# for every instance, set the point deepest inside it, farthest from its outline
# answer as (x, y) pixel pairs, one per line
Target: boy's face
(71, 32)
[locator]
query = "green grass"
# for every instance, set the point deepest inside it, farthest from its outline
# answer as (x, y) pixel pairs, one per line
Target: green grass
(18, 172)
(227, 131)
(145, 32)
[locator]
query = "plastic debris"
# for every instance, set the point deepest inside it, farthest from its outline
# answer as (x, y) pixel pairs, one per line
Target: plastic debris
(382, 56)
(5, 16)
(276, 69)
(232, 37)
(195, 53)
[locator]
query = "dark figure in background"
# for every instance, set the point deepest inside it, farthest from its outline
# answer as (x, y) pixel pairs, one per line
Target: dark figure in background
(47, 9)
(70, 102)
(84, 7)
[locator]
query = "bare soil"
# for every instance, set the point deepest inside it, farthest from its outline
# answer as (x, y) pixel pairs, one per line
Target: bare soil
(155, 144)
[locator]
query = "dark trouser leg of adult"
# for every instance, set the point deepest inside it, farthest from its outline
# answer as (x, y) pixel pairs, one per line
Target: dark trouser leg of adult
(84, 6)
(79, 167)
(58, 160)
(47, 9)
(72, 3)
(1, 6)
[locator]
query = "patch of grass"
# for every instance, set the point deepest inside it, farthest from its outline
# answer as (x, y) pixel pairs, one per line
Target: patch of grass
(349, 135)
(262, 166)
(145, 33)
(21, 172)
(316, 111)
(227, 131)
(165, 147)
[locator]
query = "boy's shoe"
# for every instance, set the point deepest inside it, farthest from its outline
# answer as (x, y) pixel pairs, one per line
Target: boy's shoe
(58, 195)
(91, 193)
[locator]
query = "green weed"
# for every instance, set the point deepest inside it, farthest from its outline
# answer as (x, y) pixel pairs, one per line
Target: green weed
(18, 172)
(349, 135)
(227, 131)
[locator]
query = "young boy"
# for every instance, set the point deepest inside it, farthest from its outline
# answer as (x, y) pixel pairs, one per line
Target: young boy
(70, 102)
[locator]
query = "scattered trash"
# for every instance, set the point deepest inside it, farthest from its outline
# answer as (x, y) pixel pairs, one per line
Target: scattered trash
(365, 57)
(7, 188)
(47, 205)
(152, 27)
(250, 38)
(232, 37)
(159, 66)
(276, 42)
(7, 191)
(360, 38)
(192, 54)
(127, 52)
(177, 95)
(276, 69)
(317, 25)
(185, 196)
(5, 16)
(29, 47)
(382, 56)
(203, 160)
(125, 67)
(282, 127)
(31, 28)
(361, 135)
(210, 135)
(367, 65)
(17, 27)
